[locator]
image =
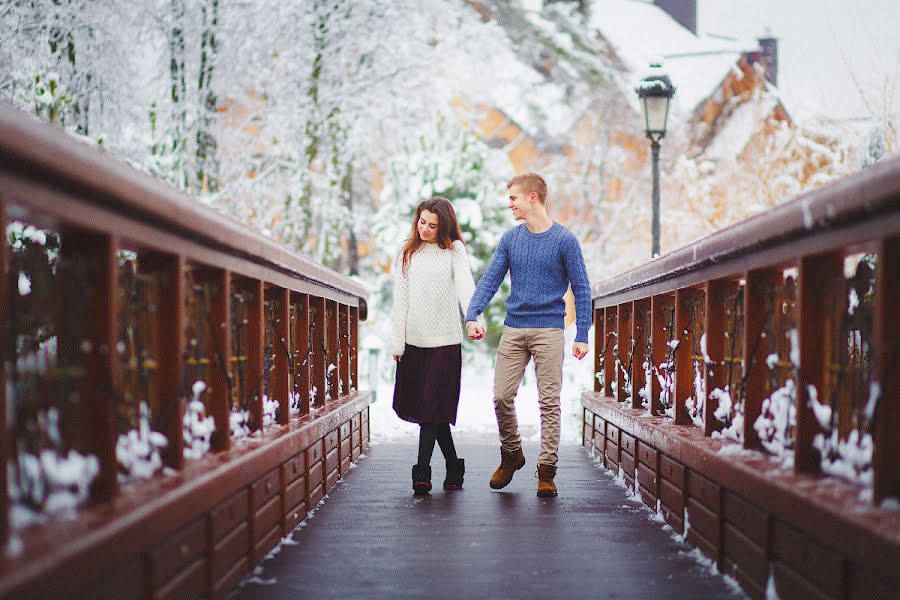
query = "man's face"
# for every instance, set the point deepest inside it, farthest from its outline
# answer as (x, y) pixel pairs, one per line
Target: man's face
(519, 203)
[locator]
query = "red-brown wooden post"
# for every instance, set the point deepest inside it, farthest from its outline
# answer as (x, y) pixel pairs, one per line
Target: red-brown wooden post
(684, 364)
(281, 371)
(814, 276)
(599, 339)
(5, 322)
(101, 362)
(344, 337)
(623, 335)
(886, 342)
(640, 329)
(218, 394)
(714, 370)
(256, 340)
(331, 342)
(759, 285)
(659, 345)
(171, 327)
(354, 348)
(302, 358)
(317, 360)
(609, 356)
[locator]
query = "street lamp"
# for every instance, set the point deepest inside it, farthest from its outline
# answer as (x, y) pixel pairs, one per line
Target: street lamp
(655, 92)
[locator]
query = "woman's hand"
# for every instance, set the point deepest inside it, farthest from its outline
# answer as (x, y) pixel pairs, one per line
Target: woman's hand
(398, 357)
(474, 330)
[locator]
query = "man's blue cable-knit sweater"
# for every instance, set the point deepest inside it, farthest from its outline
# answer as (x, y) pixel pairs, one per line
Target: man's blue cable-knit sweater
(541, 266)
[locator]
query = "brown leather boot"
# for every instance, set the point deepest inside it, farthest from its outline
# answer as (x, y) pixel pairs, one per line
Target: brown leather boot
(510, 462)
(546, 487)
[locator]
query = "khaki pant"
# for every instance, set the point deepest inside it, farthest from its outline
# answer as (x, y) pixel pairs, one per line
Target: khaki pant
(517, 347)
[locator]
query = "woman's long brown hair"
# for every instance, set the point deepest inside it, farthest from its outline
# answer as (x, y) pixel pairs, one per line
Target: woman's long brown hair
(448, 228)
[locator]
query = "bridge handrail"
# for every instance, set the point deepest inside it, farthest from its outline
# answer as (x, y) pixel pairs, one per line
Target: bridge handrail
(858, 199)
(36, 151)
(117, 292)
(750, 383)
(810, 235)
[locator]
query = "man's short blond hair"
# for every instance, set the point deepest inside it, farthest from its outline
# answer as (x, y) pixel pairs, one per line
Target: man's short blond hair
(530, 182)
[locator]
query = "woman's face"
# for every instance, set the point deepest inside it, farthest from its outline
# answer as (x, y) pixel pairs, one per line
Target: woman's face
(428, 226)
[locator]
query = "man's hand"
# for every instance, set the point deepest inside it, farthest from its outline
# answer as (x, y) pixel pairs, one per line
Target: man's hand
(474, 330)
(579, 350)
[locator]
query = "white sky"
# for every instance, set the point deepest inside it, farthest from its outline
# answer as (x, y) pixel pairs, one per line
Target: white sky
(821, 43)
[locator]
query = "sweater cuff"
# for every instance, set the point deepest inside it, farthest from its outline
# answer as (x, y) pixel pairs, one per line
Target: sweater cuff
(397, 347)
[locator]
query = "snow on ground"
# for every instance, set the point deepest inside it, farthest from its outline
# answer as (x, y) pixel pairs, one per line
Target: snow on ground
(634, 498)
(475, 420)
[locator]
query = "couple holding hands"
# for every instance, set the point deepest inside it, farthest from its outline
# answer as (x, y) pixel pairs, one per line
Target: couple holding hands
(432, 278)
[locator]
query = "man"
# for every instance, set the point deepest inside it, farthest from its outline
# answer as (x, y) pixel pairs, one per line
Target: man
(543, 258)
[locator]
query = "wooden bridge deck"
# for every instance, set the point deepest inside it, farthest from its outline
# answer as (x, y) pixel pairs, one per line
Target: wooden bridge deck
(373, 539)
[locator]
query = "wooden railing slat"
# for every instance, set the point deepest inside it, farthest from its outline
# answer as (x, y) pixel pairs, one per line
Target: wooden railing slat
(7, 353)
(757, 311)
(354, 347)
(640, 330)
(609, 357)
(684, 366)
(172, 342)
(344, 335)
(283, 346)
(317, 361)
(658, 348)
(220, 379)
(623, 337)
(256, 339)
(714, 372)
(303, 358)
(886, 339)
(599, 339)
(331, 342)
(98, 340)
(814, 275)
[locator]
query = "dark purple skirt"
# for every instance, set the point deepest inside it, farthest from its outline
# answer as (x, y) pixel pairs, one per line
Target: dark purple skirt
(426, 389)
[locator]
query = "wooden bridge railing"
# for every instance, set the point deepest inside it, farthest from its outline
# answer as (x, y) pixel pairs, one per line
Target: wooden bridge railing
(177, 390)
(748, 386)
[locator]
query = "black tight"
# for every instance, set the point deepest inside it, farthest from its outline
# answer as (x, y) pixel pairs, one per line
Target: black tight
(431, 432)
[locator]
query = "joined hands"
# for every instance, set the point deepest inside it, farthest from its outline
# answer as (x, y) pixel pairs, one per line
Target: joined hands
(474, 330)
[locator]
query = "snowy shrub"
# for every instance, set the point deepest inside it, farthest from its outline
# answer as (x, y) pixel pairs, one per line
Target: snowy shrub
(137, 450)
(198, 427)
(849, 457)
(61, 481)
(777, 419)
(729, 414)
(270, 411)
(695, 403)
(239, 421)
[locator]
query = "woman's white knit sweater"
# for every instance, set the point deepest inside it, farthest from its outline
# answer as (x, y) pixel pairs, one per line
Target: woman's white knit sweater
(430, 299)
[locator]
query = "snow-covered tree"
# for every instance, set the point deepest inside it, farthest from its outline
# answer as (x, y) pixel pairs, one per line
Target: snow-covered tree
(446, 160)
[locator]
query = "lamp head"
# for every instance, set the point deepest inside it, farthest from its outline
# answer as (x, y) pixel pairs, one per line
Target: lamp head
(655, 91)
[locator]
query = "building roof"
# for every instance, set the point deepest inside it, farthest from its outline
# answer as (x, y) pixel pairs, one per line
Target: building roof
(641, 32)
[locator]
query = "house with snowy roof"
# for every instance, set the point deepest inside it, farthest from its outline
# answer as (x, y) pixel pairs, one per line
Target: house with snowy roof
(732, 148)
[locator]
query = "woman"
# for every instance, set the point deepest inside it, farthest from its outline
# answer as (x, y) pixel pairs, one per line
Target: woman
(432, 289)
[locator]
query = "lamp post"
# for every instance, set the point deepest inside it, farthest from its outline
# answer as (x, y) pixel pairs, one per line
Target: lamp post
(655, 92)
